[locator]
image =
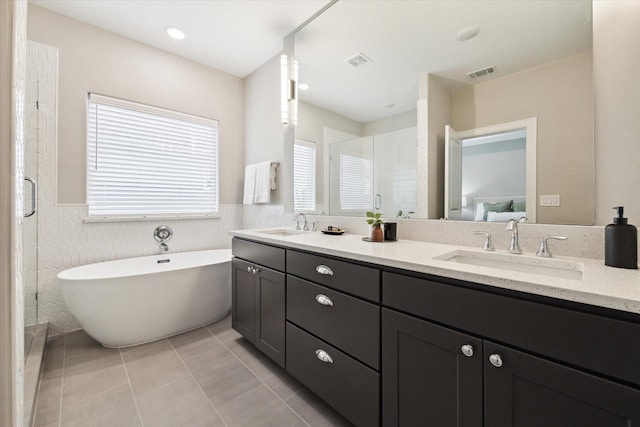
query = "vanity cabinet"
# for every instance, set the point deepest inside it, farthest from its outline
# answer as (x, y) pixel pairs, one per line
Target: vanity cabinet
(333, 332)
(426, 377)
(391, 347)
(441, 360)
(258, 296)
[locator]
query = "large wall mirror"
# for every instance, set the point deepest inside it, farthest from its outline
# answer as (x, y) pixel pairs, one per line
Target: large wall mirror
(382, 80)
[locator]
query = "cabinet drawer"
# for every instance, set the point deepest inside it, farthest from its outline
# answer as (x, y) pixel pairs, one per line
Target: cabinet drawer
(350, 387)
(601, 344)
(269, 256)
(349, 323)
(344, 276)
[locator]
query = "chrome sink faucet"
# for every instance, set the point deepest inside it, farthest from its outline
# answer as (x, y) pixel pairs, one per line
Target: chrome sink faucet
(298, 215)
(514, 247)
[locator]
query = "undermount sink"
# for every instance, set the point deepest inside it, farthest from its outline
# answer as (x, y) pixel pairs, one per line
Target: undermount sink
(281, 232)
(544, 266)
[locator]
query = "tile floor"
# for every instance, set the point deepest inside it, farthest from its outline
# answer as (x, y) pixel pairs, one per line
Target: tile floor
(207, 377)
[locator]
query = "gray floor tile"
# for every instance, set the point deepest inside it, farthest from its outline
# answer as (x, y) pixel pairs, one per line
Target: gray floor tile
(78, 343)
(315, 411)
(49, 397)
(221, 375)
(266, 410)
(98, 392)
(54, 356)
(220, 326)
(153, 365)
(114, 407)
(256, 360)
(225, 335)
(282, 384)
(91, 373)
(181, 403)
(193, 343)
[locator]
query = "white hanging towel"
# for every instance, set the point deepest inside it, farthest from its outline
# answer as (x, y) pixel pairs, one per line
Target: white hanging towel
(262, 192)
(249, 184)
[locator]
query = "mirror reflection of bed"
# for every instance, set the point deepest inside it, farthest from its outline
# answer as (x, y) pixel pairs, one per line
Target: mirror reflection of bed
(489, 176)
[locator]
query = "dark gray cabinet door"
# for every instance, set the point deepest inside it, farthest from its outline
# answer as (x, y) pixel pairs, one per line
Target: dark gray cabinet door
(243, 311)
(427, 380)
(527, 391)
(258, 307)
(270, 313)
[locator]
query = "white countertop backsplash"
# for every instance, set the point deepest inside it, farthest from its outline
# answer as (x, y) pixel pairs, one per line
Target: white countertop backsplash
(600, 285)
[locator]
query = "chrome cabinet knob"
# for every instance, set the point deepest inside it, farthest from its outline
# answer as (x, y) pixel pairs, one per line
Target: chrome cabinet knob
(324, 300)
(323, 269)
(495, 360)
(324, 356)
(467, 350)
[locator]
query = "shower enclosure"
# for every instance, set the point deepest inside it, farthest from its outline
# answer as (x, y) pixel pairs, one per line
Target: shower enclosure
(377, 172)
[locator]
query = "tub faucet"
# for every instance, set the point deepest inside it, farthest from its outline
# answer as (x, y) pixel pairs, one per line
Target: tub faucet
(163, 234)
(300, 214)
(514, 247)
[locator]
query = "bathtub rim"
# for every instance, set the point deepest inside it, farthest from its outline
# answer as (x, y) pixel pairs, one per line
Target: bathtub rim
(71, 274)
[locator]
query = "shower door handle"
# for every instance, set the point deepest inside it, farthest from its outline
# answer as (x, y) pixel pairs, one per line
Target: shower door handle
(34, 197)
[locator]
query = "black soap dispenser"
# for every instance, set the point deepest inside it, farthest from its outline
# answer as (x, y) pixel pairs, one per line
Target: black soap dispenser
(621, 243)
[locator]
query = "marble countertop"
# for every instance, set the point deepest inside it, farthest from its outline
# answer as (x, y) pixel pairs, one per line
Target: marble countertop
(603, 286)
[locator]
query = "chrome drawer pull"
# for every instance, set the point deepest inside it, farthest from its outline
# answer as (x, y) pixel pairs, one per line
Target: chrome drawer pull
(324, 356)
(324, 300)
(323, 269)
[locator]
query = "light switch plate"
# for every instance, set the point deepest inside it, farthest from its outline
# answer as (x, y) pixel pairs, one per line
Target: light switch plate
(550, 200)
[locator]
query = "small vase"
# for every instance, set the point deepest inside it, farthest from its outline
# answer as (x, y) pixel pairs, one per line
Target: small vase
(376, 233)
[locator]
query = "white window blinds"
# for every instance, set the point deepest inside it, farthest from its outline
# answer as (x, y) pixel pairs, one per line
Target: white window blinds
(304, 176)
(356, 182)
(146, 161)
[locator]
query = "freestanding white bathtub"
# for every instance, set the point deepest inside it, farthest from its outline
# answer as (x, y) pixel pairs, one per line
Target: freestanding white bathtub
(132, 301)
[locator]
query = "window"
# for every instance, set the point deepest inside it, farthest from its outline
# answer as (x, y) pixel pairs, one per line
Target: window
(356, 182)
(146, 161)
(304, 176)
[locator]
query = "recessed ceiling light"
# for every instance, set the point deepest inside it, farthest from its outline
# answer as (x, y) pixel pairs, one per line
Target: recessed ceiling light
(467, 33)
(174, 32)
(303, 86)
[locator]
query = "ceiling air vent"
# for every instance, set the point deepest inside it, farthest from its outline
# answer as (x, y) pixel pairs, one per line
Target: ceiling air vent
(482, 72)
(358, 60)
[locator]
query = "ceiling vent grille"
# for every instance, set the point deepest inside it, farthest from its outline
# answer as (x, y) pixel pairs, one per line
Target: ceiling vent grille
(358, 60)
(481, 73)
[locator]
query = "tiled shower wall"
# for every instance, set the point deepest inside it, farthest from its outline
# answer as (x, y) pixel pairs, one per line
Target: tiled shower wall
(64, 240)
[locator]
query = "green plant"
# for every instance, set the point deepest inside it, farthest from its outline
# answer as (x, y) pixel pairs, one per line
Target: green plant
(407, 215)
(374, 218)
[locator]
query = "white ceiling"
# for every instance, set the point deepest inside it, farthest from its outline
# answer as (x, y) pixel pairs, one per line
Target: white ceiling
(235, 36)
(404, 38)
(407, 39)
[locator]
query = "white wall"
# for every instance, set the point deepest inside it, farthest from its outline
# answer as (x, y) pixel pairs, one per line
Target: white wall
(560, 95)
(94, 60)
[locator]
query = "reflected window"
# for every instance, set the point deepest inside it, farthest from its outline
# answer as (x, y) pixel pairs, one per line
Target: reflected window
(356, 182)
(304, 176)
